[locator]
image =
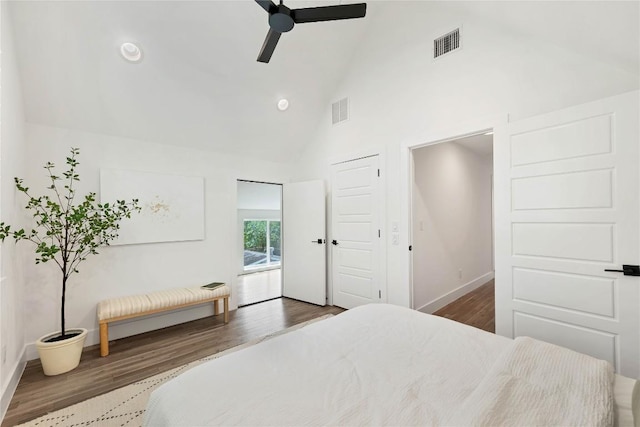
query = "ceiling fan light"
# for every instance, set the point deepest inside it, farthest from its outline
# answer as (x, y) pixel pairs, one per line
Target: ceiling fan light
(283, 104)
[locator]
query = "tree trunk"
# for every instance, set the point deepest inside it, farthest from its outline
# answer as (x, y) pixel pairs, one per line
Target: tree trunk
(64, 290)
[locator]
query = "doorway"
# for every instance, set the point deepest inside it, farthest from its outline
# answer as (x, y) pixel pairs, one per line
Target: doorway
(452, 221)
(259, 213)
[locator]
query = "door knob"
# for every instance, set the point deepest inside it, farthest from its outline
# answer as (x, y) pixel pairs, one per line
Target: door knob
(334, 242)
(319, 241)
(628, 270)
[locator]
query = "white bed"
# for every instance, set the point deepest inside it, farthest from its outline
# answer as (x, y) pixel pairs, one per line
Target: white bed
(386, 365)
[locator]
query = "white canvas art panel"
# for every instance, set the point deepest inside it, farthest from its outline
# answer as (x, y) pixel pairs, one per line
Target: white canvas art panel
(172, 205)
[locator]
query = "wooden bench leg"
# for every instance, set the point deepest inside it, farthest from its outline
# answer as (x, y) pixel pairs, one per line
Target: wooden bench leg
(104, 339)
(226, 310)
(216, 308)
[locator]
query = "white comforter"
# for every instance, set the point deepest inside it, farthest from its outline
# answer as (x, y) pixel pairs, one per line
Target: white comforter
(373, 365)
(538, 384)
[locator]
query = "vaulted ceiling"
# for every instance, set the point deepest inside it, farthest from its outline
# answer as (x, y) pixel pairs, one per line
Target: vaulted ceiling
(199, 84)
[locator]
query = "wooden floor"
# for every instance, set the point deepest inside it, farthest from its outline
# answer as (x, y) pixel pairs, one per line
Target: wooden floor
(141, 356)
(477, 308)
(258, 287)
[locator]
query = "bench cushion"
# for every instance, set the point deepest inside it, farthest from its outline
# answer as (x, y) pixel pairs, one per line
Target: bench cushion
(125, 306)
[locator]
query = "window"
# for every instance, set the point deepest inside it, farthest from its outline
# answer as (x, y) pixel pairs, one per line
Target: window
(262, 246)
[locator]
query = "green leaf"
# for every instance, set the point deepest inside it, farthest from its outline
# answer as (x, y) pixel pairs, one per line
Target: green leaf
(66, 232)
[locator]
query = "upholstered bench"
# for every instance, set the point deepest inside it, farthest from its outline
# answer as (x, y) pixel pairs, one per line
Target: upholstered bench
(115, 309)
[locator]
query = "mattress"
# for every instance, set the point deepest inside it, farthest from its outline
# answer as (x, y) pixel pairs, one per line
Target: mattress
(373, 365)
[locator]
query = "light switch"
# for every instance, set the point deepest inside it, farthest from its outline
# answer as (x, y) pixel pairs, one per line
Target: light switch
(395, 238)
(395, 227)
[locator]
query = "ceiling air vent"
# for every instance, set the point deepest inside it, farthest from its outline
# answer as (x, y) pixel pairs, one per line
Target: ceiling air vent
(340, 111)
(447, 43)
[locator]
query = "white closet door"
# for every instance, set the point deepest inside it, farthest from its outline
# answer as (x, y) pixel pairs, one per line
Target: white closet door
(355, 240)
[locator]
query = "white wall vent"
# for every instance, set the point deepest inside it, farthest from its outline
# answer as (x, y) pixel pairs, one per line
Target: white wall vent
(340, 111)
(447, 43)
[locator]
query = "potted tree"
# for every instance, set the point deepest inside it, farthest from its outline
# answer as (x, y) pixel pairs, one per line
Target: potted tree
(66, 233)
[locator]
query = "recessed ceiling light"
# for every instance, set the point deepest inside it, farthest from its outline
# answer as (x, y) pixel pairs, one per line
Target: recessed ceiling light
(131, 52)
(283, 104)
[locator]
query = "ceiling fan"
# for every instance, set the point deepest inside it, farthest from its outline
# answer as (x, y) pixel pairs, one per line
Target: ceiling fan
(282, 19)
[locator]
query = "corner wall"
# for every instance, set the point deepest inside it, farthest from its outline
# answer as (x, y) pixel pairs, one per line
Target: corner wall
(452, 224)
(12, 163)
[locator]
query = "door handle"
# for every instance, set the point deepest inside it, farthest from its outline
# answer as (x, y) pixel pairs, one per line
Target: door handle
(334, 242)
(628, 270)
(318, 241)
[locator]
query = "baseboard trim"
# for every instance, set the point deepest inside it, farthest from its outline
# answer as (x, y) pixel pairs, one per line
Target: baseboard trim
(447, 298)
(16, 374)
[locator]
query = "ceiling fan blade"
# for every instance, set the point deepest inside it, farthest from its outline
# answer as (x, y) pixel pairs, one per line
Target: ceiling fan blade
(329, 13)
(269, 46)
(267, 5)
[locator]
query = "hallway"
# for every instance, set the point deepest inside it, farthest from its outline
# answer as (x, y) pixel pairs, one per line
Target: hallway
(477, 308)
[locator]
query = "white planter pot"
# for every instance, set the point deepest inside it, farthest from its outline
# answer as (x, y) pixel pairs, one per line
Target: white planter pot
(61, 356)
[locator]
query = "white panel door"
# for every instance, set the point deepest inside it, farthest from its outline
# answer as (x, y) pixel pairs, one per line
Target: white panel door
(355, 229)
(567, 208)
(303, 240)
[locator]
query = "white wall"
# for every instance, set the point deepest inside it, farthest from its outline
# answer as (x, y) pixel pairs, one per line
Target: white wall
(255, 195)
(451, 224)
(399, 95)
(12, 157)
(131, 269)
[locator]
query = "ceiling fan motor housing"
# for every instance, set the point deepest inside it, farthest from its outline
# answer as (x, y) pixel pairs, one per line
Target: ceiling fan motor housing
(281, 21)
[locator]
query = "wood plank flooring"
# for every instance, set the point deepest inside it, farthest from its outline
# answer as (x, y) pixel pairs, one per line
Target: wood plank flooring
(477, 308)
(141, 356)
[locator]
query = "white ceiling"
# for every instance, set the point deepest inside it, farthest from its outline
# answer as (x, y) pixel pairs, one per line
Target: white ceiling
(200, 85)
(605, 29)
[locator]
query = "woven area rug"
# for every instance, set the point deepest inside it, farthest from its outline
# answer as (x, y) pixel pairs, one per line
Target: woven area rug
(125, 406)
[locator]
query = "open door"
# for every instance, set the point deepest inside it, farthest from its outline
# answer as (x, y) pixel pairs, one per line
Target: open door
(303, 237)
(568, 216)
